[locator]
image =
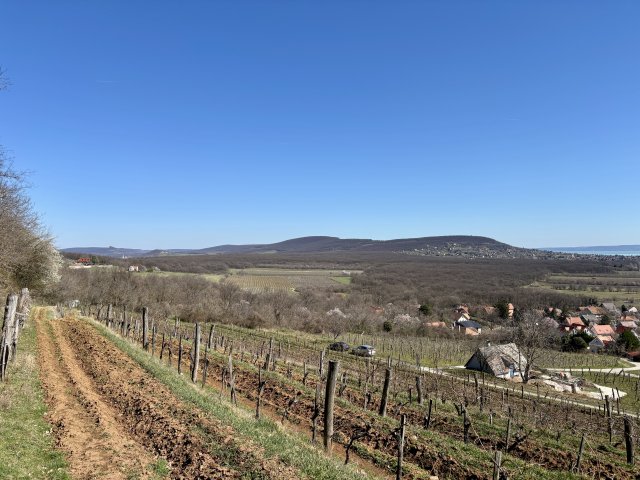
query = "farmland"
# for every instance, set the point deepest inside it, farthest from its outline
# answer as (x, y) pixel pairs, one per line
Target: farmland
(467, 417)
(271, 280)
(259, 280)
(118, 412)
(619, 286)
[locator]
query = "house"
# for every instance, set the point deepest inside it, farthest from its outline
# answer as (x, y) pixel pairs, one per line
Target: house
(632, 310)
(626, 325)
(594, 310)
(610, 307)
(628, 317)
(468, 327)
(572, 324)
(596, 330)
(600, 342)
(510, 310)
(590, 318)
(504, 361)
(435, 324)
(134, 268)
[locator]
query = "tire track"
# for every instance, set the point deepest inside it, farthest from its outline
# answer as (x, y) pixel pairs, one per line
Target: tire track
(84, 426)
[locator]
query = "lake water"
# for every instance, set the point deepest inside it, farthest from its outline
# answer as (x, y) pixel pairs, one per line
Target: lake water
(587, 251)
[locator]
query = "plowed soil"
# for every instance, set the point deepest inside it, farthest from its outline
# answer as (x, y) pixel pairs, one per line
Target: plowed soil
(113, 419)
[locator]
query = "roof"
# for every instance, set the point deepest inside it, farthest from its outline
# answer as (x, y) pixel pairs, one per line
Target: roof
(574, 321)
(610, 306)
(435, 324)
(590, 317)
(602, 330)
(628, 324)
(499, 358)
(596, 310)
(606, 339)
(469, 324)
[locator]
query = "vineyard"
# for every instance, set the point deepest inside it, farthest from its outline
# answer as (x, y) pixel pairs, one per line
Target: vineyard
(465, 426)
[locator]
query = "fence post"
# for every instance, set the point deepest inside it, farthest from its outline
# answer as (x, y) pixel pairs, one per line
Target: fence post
(145, 328)
(196, 354)
(329, 398)
(628, 439)
(403, 422)
(497, 463)
(385, 393)
(580, 451)
(7, 333)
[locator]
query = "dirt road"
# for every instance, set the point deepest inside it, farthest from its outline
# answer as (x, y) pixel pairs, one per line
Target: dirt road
(115, 421)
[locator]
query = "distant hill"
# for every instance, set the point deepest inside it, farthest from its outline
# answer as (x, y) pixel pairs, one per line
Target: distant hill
(451, 245)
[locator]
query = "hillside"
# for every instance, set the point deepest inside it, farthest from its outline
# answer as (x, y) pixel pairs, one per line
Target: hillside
(456, 245)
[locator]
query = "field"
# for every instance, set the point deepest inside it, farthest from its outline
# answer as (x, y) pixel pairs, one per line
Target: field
(119, 413)
(123, 412)
(271, 280)
(621, 286)
(259, 280)
(470, 417)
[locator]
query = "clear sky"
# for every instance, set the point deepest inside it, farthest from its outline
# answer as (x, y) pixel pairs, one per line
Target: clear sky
(168, 124)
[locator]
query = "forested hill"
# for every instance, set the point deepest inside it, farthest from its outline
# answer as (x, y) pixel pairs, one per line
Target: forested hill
(451, 245)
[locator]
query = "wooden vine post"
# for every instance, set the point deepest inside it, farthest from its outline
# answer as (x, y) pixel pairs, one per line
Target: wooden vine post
(145, 328)
(580, 452)
(419, 390)
(385, 393)
(329, 399)
(261, 384)
(497, 463)
(628, 439)
(403, 423)
(196, 354)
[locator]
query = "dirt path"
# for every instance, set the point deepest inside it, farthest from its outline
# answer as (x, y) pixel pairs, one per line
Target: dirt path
(85, 427)
(114, 419)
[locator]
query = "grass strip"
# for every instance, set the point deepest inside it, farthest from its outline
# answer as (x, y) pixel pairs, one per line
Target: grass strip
(26, 444)
(289, 448)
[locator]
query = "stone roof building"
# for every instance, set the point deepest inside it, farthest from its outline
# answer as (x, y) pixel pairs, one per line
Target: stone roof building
(503, 361)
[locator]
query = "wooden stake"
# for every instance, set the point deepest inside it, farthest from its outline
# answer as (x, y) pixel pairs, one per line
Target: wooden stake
(385, 393)
(328, 404)
(403, 422)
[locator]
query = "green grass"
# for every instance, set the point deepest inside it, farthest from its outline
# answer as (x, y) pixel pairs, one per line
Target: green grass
(342, 280)
(26, 445)
(617, 287)
(630, 402)
(289, 448)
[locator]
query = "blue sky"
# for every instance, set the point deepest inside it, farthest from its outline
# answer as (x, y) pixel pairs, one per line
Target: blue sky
(191, 124)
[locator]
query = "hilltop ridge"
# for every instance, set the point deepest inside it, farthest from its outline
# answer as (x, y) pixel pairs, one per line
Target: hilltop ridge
(446, 245)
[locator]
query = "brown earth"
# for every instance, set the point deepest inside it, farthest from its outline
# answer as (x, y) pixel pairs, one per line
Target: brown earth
(85, 427)
(113, 419)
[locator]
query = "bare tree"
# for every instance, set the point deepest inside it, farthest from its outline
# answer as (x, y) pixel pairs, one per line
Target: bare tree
(535, 339)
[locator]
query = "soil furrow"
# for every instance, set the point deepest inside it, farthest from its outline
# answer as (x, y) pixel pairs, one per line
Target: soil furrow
(196, 446)
(85, 428)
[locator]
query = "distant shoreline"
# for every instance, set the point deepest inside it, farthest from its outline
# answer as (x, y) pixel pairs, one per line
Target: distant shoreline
(630, 251)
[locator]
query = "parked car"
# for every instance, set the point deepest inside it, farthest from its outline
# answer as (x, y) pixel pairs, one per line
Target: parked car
(364, 351)
(339, 347)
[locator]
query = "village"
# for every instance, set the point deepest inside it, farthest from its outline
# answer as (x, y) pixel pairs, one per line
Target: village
(604, 329)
